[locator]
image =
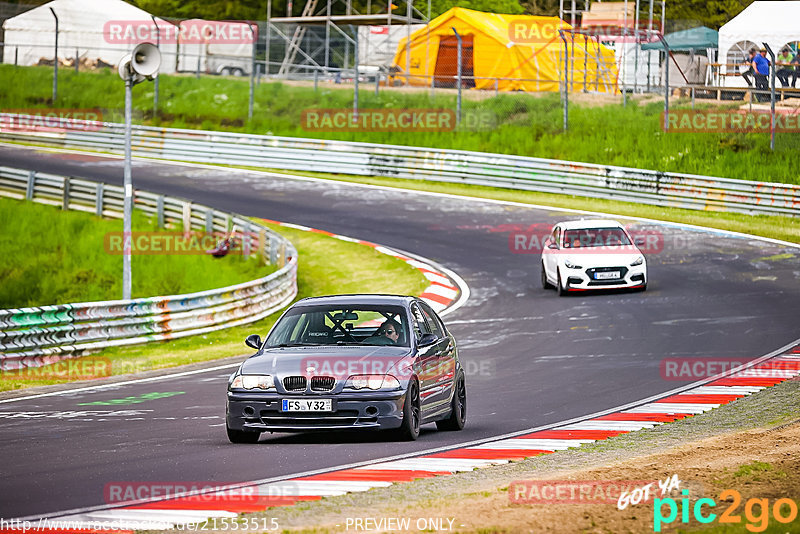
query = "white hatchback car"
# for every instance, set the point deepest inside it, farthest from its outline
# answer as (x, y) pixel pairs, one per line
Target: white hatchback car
(592, 254)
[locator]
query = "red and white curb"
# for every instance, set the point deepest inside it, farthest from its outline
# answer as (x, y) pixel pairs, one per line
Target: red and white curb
(690, 400)
(446, 292)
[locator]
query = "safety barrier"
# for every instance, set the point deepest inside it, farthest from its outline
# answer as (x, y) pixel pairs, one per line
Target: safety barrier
(367, 159)
(31, 337)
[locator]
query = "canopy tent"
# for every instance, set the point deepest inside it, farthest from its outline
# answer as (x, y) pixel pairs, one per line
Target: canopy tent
(494, 56)
(700, 38)
(85, 26)
(773, 22)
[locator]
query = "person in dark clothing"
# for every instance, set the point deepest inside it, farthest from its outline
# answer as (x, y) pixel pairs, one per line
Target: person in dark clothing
(748, 74)
(783, 63)
(796, 72)
(761, 71)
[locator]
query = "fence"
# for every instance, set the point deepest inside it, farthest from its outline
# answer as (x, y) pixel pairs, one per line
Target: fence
(31, 337)
(479, 168)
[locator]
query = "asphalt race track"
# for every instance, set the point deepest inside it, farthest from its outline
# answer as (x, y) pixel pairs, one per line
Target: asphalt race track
(533, 358)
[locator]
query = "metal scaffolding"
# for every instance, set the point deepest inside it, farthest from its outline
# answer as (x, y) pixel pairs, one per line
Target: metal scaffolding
(323, 39)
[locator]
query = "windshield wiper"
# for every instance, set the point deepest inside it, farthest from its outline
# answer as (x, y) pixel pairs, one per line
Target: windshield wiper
(285, 345)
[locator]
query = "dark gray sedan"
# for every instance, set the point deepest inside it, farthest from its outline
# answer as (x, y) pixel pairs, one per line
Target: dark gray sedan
(349, 362)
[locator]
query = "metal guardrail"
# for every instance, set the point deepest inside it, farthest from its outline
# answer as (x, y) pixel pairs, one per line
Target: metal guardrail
(31, 337)
(479, 168)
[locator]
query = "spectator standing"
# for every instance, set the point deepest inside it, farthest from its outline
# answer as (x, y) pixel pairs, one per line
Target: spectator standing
(748, 74)
(783, 61)
(761, 71)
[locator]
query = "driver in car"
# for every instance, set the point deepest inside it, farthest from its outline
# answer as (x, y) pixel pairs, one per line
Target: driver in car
(387, 334)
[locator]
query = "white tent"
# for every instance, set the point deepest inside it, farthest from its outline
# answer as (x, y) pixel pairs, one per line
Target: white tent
(102, 30)
(776, 23)
(377, 45)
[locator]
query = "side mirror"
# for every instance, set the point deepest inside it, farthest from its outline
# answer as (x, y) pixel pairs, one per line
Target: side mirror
(427, 339)
(551, 244)
(253, 341)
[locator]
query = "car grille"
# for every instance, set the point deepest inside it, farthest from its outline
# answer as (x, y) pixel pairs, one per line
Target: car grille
(322, 383)
(294, 383)
(622, 272)
(300, 419)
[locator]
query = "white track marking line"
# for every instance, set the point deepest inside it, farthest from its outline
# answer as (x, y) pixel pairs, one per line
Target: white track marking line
(673, 408)
(533, 443)
(611, 425)
(723, 390)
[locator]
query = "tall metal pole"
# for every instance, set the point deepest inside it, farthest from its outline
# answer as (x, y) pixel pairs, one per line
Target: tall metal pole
(771, 96)
(158, 45)
(252, 72)
(666, 82)
(55, 61)
(128, 202)
(458, 78)
(355, 86)
(267, 38)
(408, 41)
(566, 78)
(636, 49)
(624, 53)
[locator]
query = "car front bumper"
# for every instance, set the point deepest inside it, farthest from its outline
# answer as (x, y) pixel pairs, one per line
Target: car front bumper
(584, 279)
(363, 411)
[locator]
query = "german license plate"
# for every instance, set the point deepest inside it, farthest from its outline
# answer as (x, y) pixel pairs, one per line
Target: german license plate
(306, 405)
(609, 275)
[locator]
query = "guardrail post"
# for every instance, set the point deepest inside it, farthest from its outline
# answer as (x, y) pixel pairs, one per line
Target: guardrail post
(273, 252)
(283, 253)
(262, 243)
(31, 185)
(65, 200)
(458, 76)
(246, 240)
(98, 200)
(209, 221)
(160, 211)
(187, 217)
(77, 57)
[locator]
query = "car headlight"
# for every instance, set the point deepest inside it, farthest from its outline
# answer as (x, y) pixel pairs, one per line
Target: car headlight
(253, 382)
(638, 261)
(570, 265)
(373, 382)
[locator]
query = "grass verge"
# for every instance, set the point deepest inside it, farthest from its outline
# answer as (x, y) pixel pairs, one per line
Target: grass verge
(510, 123)
(50, 256)
(357, 269)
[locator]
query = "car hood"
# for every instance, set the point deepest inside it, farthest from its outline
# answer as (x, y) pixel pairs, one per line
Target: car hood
(339, 362)
(606, 257)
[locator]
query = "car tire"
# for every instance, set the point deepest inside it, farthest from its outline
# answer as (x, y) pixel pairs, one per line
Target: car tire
(545, 283)
(225, 71)
(409, 428)
(458, 408)
(242, 436)
(562, 291)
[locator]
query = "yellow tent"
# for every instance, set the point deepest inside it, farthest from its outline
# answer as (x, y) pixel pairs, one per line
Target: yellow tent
(510, 52)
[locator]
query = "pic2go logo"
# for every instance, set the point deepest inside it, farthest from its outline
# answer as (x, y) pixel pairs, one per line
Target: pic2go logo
(783, 510)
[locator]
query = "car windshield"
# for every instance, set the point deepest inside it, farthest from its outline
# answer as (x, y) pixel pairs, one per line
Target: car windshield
(595, 237)
(337, 325)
